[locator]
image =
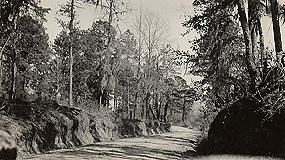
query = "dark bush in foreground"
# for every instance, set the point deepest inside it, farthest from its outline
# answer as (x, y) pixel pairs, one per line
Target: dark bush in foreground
(243, 128)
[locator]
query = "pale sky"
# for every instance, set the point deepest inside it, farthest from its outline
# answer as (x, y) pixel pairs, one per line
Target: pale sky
(171, 10)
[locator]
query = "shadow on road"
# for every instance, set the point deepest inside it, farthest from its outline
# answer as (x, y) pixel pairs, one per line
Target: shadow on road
(157, 147)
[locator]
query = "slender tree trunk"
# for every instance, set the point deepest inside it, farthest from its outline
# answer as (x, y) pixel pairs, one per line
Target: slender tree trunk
(248, 43)
(276, 29)
(115, 97)
(166, 110)
(134, 113)
(152, 112)
(184, 114)
(147, 116)
(131, 114)
(14, 72)
(135, 106)
(1, 76)
(71, 54)
(14, 56)
(13, 79)
(108, 55)
(152, 105)
(254, 44)
(263, 57)
(101, 97)
(1, 68)
(71, 78)
(143, 112)
(128, 97)
(110, 22)
(115, 102)
(253, 20)
(57, 92)
(252, 14)
(160, 107)
(157, 107)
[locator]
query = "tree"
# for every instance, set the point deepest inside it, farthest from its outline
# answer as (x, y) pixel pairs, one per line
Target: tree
(125, 73)
(89, 48)
(32, 58)
(151, 31)
(112, 9)
(10, 13)
(231, 55)
(276, 29)
(248, 44)
(62, 54)
(104, 38)
(71, 52)
(219, 53)
(69, 10)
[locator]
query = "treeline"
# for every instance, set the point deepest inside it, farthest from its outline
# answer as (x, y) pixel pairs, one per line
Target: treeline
(132, 72)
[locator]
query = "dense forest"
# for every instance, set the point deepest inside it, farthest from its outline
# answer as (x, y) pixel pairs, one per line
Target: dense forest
(90, 84)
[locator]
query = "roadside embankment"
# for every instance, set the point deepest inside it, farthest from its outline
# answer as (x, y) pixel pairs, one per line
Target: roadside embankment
(40, 127)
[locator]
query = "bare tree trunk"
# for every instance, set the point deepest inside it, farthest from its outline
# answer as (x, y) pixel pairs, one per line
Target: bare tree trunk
(143, 111)
(248, 43)
(147, 106)
(14, 56)
(160, 107)
(254, 44)
(108, 55)
(276, 29)
(157, 107)
(71, 54)
(152, 112)
(166, 110)
(115, 102)
(57, 92)
(128, 97)
(253, 28)
(115, 97)
(252, 14)
(13, 79)
(184, 113)
(263, 57)
(1, 59)
(135, 106)
(1, 76)
(71, 78)
(139, 56)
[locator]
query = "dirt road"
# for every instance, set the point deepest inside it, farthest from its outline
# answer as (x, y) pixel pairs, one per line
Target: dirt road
(157, 147)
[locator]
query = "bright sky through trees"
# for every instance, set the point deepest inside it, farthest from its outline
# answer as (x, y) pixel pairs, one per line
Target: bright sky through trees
(171, 10)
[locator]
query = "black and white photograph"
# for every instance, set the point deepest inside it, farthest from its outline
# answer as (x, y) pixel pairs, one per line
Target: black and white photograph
(142, 79)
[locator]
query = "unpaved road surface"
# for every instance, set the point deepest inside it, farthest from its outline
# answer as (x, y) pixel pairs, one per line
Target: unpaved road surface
(157, 147)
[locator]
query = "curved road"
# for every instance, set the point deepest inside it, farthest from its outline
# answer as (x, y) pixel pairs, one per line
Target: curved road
(156, 147)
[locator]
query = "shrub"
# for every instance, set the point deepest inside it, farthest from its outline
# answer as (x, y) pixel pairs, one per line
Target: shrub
(243, 128)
